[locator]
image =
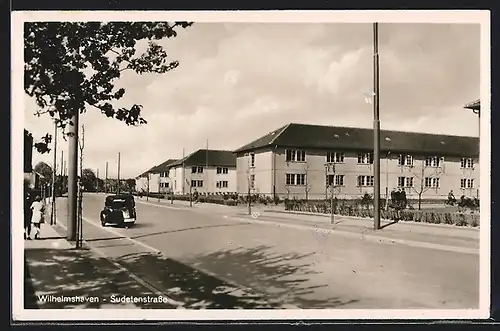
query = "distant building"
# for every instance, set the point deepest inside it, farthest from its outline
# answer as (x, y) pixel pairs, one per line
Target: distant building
(300, 160)
(155, 179)
(207, 171)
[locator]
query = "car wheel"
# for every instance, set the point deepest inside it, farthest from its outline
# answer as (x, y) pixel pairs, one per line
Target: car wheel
(103, 222)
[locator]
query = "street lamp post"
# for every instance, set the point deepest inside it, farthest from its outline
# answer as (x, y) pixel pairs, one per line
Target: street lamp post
(387, 181)
(330, 168)
(475, 106)
(376, 131)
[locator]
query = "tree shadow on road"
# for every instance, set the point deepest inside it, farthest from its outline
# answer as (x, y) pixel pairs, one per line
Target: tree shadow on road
(283, 275)
(196, 289)
(75, 274)
(81, 274)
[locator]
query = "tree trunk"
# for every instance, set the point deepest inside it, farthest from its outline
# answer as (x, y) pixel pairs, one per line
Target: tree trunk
(419, 201)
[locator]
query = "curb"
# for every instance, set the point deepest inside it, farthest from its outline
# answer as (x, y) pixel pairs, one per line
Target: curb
(140, 281)
(364, 236)
(450, 226)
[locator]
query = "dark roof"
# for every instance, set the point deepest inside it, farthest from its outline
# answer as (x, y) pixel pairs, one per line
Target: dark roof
(158, 168)
(163, 166)
(347, 138)
(476, 105)
(213, 158)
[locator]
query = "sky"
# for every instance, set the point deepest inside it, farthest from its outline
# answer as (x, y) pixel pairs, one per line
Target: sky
(239, 81)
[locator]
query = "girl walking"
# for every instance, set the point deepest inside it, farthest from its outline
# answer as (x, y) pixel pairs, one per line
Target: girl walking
(37, 215)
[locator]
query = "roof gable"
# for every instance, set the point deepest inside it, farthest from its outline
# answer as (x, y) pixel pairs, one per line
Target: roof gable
(349, 138)
(263, 141)
(209, 157)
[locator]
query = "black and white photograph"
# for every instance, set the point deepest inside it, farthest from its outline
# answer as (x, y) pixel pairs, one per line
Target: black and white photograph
(250, 165)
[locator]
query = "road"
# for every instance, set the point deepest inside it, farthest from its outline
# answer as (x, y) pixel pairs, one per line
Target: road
(298, 267)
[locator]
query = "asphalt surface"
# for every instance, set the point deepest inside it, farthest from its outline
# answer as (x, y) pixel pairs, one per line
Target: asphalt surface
(297, 267)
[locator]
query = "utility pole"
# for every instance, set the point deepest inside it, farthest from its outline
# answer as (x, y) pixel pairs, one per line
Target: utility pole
(149, 178)
(97, 182)
(73, 177)
(54, 175)
(159, 186)
(106, 179)
(249, 192)
(387, 180)
(206, 169)
(118, 188)
(79, 242)
(183, 171)
(376, 131)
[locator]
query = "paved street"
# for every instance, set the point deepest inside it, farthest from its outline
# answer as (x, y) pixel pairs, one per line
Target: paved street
(296, 266)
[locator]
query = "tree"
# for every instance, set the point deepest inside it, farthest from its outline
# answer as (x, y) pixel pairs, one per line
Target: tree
(427, 176)
(130, 184)
(308, 184)
(46, 171)
(70, 66)
(89, 180)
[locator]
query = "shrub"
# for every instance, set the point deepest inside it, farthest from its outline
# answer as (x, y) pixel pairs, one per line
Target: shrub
(474, 221)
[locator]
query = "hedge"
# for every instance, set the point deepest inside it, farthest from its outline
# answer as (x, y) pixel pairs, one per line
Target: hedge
(459, 219)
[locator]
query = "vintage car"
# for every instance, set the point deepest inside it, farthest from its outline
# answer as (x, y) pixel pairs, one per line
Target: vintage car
(119, 210)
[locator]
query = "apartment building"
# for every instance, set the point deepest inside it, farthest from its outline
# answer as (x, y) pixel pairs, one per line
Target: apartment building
(155, 179)
(207, 171)
(313, 161)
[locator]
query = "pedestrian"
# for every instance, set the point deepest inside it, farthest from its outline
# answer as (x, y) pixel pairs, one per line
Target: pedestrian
(195, 194)
(393, 197)
(27, 215)
(451, 198)
(37, 209)
(404, 200)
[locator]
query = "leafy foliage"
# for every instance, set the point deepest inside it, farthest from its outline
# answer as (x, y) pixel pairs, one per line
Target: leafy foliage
(89, 179)
(45, 170)
(72, 65)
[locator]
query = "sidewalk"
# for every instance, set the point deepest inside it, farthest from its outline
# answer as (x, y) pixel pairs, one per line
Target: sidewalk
(449, 237)
(61, 277)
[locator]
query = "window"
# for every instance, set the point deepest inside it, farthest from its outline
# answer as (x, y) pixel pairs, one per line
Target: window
(221, 170)
(405, 160)
(252, 181)
(193, 183)
(335, 180)
(221, 184)
(334, 157)
(467, 163)
(295, 179)
(295, 156)
(431, 182)
(365, 158)
(199, 183)
(195, 170)
(433, 161)
(405, 181)
(365, 180)
(467, 183)
(252, 160)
